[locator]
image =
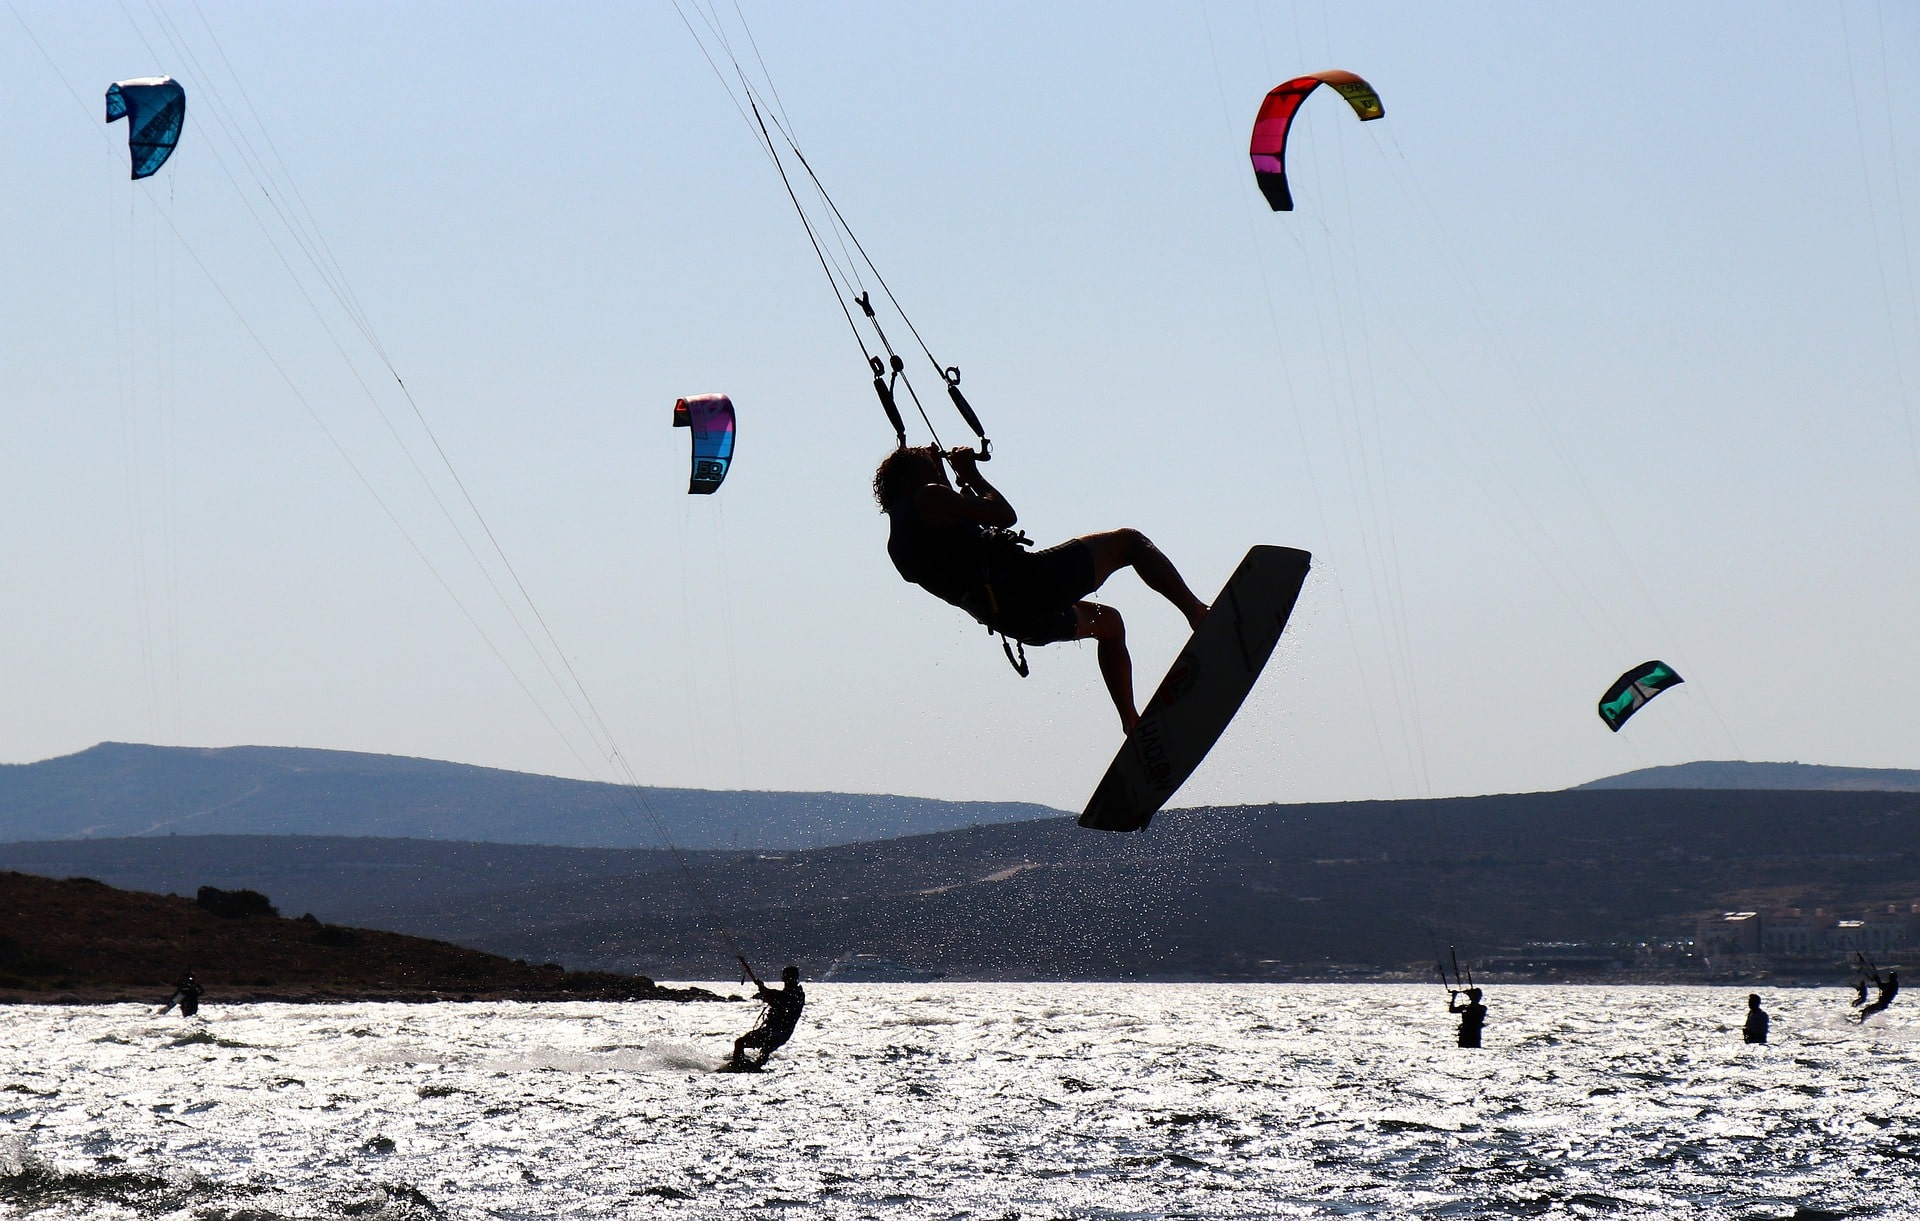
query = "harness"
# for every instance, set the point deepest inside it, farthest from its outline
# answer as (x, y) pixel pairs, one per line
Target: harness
(1003, 539)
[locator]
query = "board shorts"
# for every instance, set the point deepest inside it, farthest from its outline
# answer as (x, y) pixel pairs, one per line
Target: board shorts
(1036, 592)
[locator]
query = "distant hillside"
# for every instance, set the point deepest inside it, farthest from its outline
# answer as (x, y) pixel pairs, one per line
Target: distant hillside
(337, 879)
(81, 940)
(1786, 777)
(116, 789)
(1248, 892)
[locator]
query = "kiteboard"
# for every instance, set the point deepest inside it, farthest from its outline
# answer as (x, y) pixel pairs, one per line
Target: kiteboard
(1200, 694)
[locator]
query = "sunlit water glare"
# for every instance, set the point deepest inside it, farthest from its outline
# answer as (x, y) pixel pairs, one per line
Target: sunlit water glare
(962, 1101)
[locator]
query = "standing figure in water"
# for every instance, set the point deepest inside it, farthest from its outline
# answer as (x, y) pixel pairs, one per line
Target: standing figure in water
(1888, 989)
(186, 994)
(1473, 1015)
(1757, 1021)
(776, 1024)
(960, 547)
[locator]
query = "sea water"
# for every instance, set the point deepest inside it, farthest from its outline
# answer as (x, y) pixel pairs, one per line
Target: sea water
(964, 1100)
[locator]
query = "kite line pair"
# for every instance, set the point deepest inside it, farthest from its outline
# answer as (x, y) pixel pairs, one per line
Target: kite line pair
(889, 375)
(829, 227)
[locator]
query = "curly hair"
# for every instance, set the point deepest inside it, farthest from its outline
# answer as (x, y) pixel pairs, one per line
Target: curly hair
(904, 470)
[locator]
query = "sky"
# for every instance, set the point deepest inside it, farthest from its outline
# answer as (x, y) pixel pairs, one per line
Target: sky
(1601, 346)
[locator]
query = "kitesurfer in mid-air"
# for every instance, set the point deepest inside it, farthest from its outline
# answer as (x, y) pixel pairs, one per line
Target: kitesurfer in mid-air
(1473, 1015)
(1889, 988)
(776, 1024)
(959, 545)
(1755, 1031)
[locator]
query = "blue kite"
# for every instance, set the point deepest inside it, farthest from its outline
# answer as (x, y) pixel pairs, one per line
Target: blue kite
(710, 417)
(155, 108)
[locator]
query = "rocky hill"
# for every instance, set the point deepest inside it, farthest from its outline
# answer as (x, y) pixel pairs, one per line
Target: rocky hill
(340, 879)
(77, 939)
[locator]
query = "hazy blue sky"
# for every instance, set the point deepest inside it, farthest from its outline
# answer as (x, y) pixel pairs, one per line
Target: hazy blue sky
(1601, 346)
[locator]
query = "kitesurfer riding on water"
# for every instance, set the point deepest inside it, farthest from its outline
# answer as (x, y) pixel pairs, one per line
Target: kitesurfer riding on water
(960, 547)
(186, 994)
(777, 1023)
(1887, 989)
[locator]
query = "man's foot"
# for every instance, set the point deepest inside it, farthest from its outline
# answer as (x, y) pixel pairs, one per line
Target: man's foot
(1197, 615)
(1129, 721)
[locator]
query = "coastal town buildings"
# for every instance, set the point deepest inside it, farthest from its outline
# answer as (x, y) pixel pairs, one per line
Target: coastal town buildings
(1792, 935)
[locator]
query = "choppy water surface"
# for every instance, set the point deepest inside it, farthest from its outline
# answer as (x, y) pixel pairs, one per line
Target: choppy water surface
(953, 1101)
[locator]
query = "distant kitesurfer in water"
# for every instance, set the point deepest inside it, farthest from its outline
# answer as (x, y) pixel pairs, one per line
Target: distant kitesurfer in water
(1473, 1015)
(776, 1024)
(960, 546)
(1757, 1021)
(186, 994)
(1888, 989)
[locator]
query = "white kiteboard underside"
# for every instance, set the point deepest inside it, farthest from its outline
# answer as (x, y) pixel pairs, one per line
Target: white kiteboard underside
(1206, 686)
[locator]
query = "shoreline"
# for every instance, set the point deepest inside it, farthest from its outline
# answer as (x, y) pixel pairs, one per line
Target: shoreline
(350, 996)
(697, 993)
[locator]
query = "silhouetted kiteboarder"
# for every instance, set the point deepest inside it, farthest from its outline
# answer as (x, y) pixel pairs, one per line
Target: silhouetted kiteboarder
(1473, 1014)
(1755, 1031)
(186, 994)
(776, 1024)
(960, 546)
(1864, 972)
(1889, 987)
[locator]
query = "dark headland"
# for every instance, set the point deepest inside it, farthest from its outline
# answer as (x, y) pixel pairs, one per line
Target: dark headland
(79, 941)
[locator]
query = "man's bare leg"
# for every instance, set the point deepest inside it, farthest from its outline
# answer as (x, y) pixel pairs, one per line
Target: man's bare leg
(1104, 624)
(1117, 549)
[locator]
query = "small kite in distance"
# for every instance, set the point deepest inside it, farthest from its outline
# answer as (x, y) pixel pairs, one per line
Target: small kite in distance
(710, 417)
(155, 108)
(1270, 127)
(1635, 688)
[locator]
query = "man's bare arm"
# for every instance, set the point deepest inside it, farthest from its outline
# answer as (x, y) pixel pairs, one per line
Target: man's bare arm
(981, 502)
